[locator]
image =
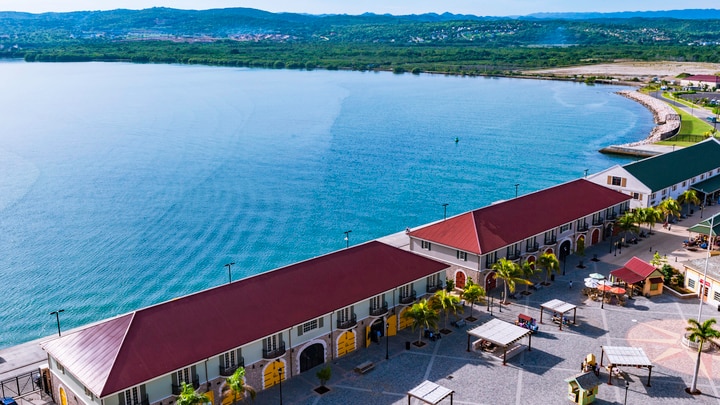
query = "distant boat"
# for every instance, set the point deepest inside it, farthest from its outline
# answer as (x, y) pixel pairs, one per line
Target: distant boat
(457, 139)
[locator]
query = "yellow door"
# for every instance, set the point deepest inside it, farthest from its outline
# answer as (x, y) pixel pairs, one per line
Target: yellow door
(346, 343)
(271, 376)
(404, 322)
(392, 325)
(211, 397)
(63, 397)
(367, 336)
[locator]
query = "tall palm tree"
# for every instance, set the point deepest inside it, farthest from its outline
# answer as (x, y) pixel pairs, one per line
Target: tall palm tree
(511, 273)
(550, 263)
(701, 333)
(472, 293)
(528, 271)
(235, 386)
(688, 197)
(652, 216)
(626, 223)
(669, 207)
(422, 317)
(188, 396)
(446, 303)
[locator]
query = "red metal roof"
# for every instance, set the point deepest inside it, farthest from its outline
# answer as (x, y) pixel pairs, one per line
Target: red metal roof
(493, 227)
(172, 335)
(704, 78)
(635, 270)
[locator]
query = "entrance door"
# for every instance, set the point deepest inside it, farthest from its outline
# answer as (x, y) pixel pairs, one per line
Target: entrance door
(346, 343)
(490, 281)
(63, 397)
(460, 280)
(312, 356)
(273, 373)
(595, 237)
(404, 322)
(565, 250)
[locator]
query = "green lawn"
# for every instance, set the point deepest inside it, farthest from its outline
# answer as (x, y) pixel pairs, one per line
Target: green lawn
(690, 125)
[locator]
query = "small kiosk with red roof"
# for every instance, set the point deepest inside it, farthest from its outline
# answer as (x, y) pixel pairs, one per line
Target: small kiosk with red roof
(639, 273)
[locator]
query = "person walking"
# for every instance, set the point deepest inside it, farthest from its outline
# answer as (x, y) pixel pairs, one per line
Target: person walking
(570, 284)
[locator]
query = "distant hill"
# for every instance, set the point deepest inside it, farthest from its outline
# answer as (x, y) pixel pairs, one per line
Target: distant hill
(689, 14)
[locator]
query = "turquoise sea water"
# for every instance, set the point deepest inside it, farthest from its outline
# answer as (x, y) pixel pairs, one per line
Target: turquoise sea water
(126, 185)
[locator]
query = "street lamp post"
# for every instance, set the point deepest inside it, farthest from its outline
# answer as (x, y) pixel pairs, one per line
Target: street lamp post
(229, 265)
(611, 238)
(602, 303)
(586, 172)
(516, 189)
(445, 211)
(627, 385)
(57, 318)
(280, 377)
(387, 341)
(347, 238)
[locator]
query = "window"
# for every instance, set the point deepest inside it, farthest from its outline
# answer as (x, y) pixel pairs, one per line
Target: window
(377, 302)
(691, 283)
(674, 187)
(637, 196)
(60, 367)
(684, 183)
(183, 376)
(692, 181)
(462, 255)
(88, 393)
(664, 192)
(531, 244)
(716, 296)
(565, 228)
(310, 325)
(433, 280)
(702, 176)
(425, 245)
(490, 259)
(229, 359)
(131, 396)
(652, 196)
(616, 181)
(406, 290)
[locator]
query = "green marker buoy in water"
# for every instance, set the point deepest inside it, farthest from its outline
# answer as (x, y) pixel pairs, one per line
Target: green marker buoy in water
(457, 139)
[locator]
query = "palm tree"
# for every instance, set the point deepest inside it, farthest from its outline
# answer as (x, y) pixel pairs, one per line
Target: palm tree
(235, 386)
(669, 207)
(472, 293)
(688, 197)
(188, 396)
(701, 333)
(422, 317)
(511, 273)
(528, 270)
(550, 263)
(626, 223)
(445, 302)
(652, 216)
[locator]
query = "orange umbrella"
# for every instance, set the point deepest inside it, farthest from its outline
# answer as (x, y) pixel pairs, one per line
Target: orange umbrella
(604, 287)
(617, 290)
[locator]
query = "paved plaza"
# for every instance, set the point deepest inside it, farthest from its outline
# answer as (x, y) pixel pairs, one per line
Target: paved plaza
(537, 377)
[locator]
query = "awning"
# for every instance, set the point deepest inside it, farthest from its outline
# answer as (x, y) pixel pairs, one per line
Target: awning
(656, 280)
(708, 186)
(619, 356)
(704, 226)
(430, 393)
(500, 333)
(560, 307)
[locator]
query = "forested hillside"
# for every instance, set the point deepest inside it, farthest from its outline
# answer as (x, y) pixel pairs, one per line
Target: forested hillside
(429, 42)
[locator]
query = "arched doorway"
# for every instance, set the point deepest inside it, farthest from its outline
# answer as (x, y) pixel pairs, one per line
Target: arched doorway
(346, 343)
(531, 260)
(404, 322)
(274, 373)
(490, 281)
(460, 280)
(312, 356)
(564, 250)
(549, 251)
(595, 236)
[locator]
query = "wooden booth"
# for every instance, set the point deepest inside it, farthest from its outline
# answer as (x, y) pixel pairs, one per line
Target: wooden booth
(582, 388)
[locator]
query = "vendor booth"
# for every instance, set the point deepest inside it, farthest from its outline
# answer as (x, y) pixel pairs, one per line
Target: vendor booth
(430, 393)
(499, 333)
(582, 388)
(639, 273)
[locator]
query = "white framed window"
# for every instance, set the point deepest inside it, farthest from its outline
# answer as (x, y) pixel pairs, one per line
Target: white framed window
(406, 290)
(616, 181)
(565, 228)
(691, 283)
(716, 295)
(425, 245)
(674, 187)
(132, 396)
(462, 255)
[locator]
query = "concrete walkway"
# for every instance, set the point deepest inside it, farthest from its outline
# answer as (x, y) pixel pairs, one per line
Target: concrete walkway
(535, 376)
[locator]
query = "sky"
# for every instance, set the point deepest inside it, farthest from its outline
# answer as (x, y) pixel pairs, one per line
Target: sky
(396, 7)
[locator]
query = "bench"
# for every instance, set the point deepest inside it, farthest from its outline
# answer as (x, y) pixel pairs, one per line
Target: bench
(364, 367)
(459, 323)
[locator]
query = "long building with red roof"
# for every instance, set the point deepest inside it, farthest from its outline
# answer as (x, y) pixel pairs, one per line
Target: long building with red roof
(276, 324)
(557, 220)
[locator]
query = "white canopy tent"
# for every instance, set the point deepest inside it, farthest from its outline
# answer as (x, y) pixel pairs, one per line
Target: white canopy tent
(430, 393)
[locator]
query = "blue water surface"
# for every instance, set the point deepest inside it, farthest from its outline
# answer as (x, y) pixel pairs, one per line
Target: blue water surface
(126, 185)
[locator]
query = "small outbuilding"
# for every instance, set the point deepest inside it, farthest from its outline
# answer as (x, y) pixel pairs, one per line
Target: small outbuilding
(637, 272)
(582, 388)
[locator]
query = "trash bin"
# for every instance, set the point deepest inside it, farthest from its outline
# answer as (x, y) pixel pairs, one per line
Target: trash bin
(407, 345)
